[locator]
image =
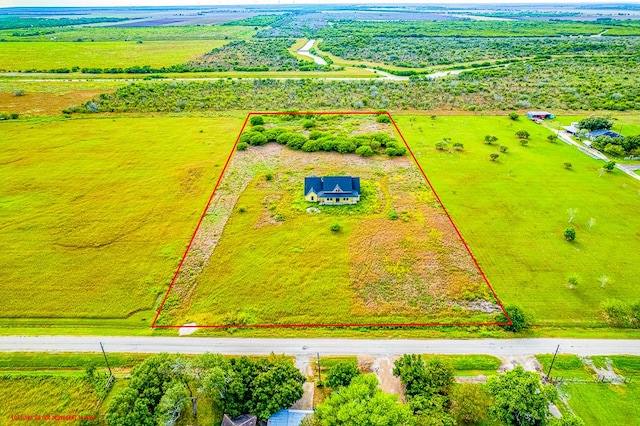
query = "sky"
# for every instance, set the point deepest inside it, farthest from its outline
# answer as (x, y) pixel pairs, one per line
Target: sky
(101, 3)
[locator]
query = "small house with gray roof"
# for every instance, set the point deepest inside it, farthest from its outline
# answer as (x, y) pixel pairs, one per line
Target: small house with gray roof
(332, 189)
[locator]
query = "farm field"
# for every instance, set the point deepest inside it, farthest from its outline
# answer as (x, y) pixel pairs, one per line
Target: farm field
(604, 404)
(96, 215)
(514, 214)
(16, 56)
(391, 258)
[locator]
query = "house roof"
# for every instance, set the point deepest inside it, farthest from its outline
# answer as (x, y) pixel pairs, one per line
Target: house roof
(338, 186)
(538, 113)
(604, 132)
(288, 417)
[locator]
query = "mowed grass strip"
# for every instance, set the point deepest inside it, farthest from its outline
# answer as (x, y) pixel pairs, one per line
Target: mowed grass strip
(513, 212)
(20, 56)
(96, 213)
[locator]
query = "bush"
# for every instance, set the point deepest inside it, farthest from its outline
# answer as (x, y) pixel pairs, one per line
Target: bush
(242, 209)
(391, 152)
(258, 128)
(245, 137)
(283, 138)
(311, 146)
(269, 176)
(257, 139)
(441, 146)
(296, 141)
(493, 156)
(316, 134)
(609, 166)
(514, 116)
(522, 134)
(336, 227)
(567, 165)
(365, 151)
(383, 118)
(307, 124)
(393, 215)
(346, 147)
(458, 146)
(518, 318)
(569, 234)
(504, 148)
(242, 146)
(256, 120)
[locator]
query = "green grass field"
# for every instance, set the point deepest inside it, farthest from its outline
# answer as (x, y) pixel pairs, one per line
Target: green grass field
(45, 395)
(97, 212)
(566, 366)
(16, 56)
(604, 404)
(513, 212)
(277, 263)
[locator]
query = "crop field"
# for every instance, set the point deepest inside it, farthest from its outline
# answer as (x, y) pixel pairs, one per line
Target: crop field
(264, 255)
(96, 212)
(513, 212)
(16, 56)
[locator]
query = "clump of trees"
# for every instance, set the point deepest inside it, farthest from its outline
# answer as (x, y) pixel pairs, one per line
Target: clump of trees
(595, 123)
(162, 387)
(622, 313)
(519, 320)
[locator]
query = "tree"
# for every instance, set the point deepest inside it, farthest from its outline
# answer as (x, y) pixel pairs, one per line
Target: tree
(518, 319)
(514, 116)
(595, 123)
(503, 148)
(569, 234)
(552, 138)
(566, 420)
(519, 398)
(362, 403)
(441, 145)
(342, 373)
(524, 142)
(458, 146)
(609, 166)
(489, 139)
(173, 402)
(411, 370)
(567, 165)
(470, 404)
(256, 120)
(127, 408)
(493, 156)
(278, 385)
(336, 227)
(522, 134)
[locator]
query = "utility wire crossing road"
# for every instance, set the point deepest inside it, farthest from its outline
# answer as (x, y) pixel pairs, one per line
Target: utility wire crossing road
(297, 347)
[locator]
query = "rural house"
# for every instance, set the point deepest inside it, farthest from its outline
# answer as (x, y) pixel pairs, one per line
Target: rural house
(539, 115)
(603, 132)
(332, 189)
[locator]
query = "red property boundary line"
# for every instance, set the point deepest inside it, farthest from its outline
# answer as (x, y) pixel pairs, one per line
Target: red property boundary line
(405, 325)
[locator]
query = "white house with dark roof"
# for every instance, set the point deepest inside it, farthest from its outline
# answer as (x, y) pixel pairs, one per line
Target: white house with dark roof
(332, 189)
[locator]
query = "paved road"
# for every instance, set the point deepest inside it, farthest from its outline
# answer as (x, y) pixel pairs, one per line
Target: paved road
(240, 346)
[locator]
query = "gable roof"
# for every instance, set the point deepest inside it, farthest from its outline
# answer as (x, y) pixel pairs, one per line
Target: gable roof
(243, 420)
(340, 186)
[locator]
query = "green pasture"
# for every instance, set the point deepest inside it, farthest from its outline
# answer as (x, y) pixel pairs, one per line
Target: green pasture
(470, 365)
(604, 404)
(45, 395)
(144, 34)
(46, 55)
(512, 213)
(97, 212)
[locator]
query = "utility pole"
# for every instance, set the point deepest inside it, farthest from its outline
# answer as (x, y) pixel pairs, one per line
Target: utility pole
(552, 361)
(105, 359)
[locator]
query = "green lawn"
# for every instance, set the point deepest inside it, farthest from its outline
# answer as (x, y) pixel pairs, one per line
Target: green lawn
(16, 56)
(470, 365)
(604, 404)
(513, 212)
(97, 212)
(566, 366)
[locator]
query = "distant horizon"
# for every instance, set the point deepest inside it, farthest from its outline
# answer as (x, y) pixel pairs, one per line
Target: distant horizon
(206, 3)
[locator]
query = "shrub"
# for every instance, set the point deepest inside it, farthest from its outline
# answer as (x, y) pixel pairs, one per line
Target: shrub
(616, 310)
(327, 143)
(522, 134)
(504, 148)
(296, 141)
(346, 147)
(245, 137)
(391, 152)
(393, 215)
(242, 209)
(242, 146)
(342, 373)
(514, 116)
(283, 138)
(518, 318)
(256, 120)
(307, 124)
(569, 234)
(14, 116)
(458, 146)
(311, 146)
(258, 129)
(365, 151)
(316, 134)
(493, 156)
(609, 166)
(269, 176)
(257, 139)
(524, 142)
(552, 138)
(383, 118)
(401, 151)
(441, 146)
(336, 227)
(567, 165)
